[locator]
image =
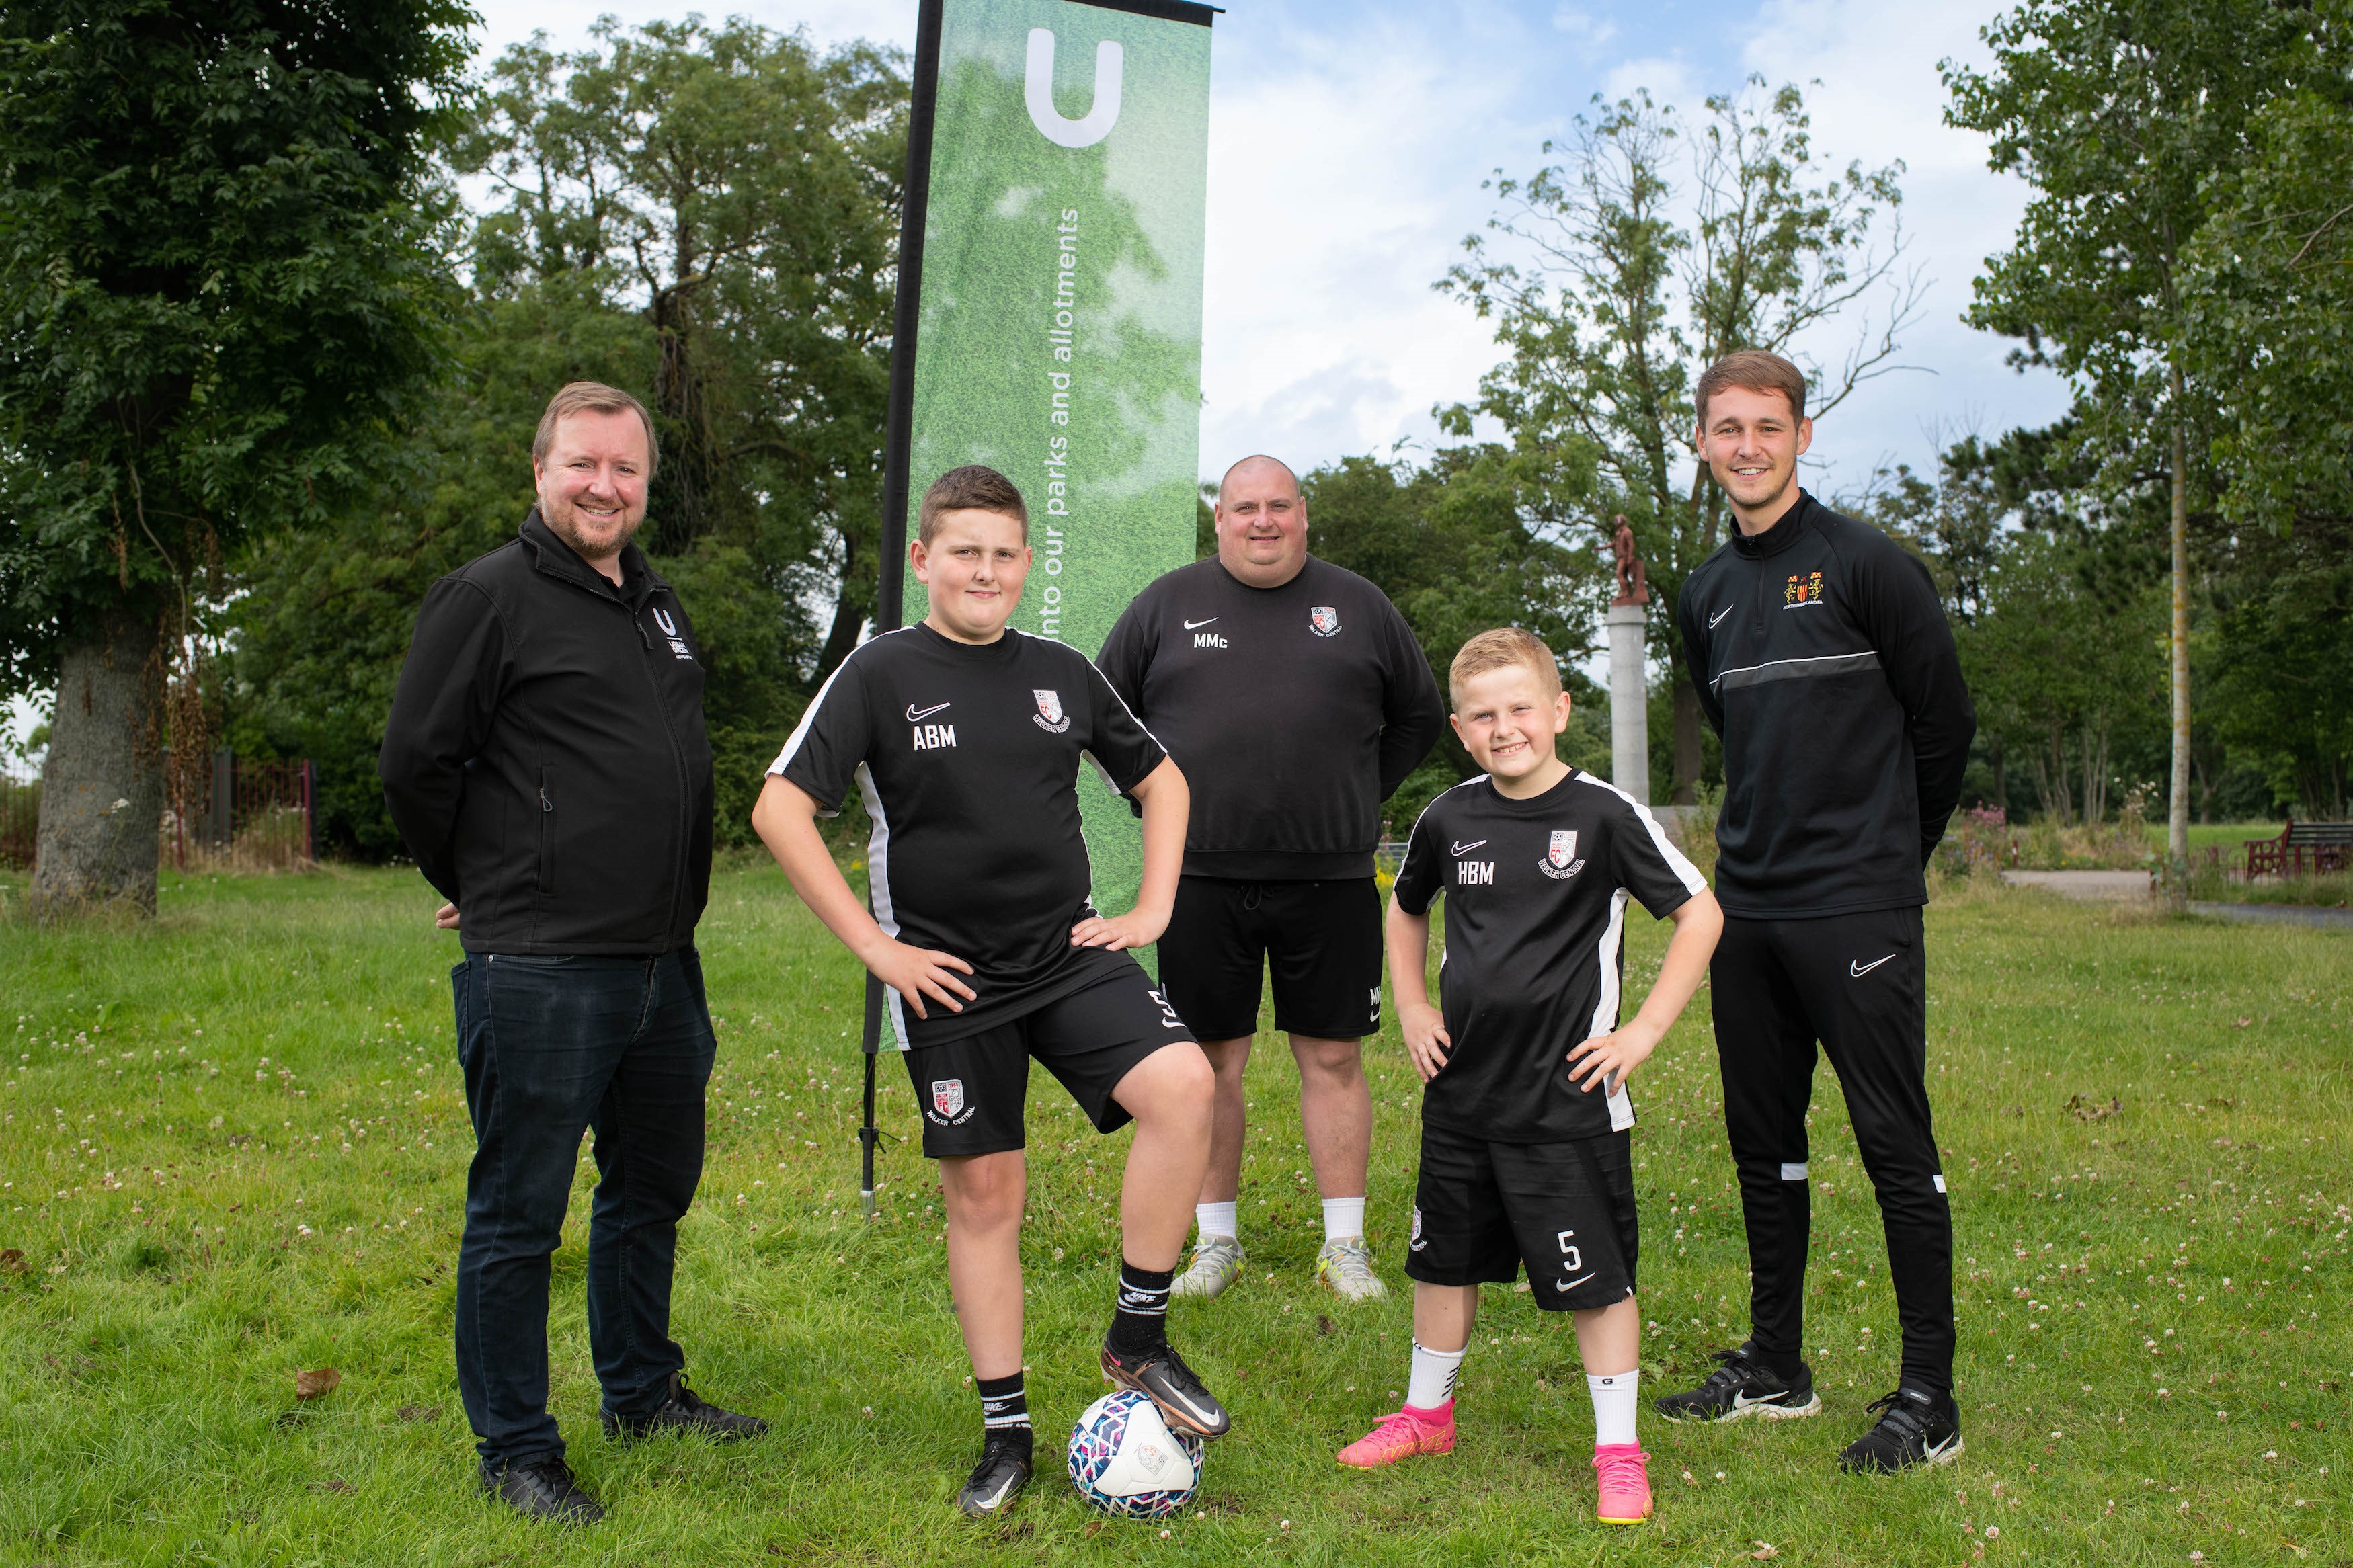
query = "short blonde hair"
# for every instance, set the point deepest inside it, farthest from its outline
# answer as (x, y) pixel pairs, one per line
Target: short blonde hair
(1500, 649)
(592, 397)
(1751, 370)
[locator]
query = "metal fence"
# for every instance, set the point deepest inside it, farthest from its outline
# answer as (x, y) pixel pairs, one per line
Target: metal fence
(244, 817)
(250, 816)
(20, 815)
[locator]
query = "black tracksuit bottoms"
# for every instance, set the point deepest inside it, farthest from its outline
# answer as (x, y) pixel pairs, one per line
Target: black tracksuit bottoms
(1859, 984)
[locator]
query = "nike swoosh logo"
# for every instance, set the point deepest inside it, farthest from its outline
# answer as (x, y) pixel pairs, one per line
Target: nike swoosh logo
(1194, 625)
(1466, 849)
(1565, 1286)
(1860, 970)
(1938, 1450)
(1719, 615)
(991, 1502)
(916, 713)
(1742, 1401)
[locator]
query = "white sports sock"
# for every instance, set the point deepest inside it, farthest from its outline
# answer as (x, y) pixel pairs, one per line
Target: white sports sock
(1216, 1219)
(1433, 1377)
(1613, 1406)
(1343, 1216)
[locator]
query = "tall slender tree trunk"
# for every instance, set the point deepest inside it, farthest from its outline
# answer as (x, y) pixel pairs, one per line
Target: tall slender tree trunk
(1688, 719)
(2177, 814)
(103, 783)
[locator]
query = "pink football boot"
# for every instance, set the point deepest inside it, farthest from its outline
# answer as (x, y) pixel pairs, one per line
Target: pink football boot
(1624, 1473)
(1401, 1436)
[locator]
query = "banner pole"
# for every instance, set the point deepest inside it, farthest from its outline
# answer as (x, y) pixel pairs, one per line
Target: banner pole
(890, 575)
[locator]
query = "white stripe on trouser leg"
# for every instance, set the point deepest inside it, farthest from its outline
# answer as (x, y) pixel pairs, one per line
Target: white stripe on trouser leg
(1796, 1173)
(1940, 1183)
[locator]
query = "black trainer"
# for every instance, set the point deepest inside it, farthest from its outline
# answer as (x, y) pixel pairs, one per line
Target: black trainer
(683, 1410)
(1916, 1429)
(997, 1479)
(541, 1488)
(1161, 1375)
(1744, 1385)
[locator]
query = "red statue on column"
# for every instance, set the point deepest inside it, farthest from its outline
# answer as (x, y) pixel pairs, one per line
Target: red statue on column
(1633, 584)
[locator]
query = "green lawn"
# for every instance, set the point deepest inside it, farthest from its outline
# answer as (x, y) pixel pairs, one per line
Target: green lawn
(235, 1148)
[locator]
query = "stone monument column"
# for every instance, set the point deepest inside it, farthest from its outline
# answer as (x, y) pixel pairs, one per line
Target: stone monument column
(1630, 690)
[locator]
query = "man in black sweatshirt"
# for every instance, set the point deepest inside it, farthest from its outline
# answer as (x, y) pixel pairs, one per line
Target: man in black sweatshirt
(545, 763)
(1296, 700)
(1823, 659)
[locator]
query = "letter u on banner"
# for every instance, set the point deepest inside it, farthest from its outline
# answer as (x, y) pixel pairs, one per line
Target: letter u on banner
(1038, 92)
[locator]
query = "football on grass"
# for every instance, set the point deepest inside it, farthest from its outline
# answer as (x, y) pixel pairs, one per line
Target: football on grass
(1126, 1460)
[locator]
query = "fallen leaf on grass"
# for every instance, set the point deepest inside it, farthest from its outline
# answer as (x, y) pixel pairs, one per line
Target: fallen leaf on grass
(1323, 1324)
(1765, 1549)
(419, 1412)
(2084, 1110)
(311, 1384)
(11, 1260)
(333, 1486)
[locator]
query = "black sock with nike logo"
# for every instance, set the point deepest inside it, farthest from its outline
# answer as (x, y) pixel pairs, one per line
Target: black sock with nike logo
(1140, 1322)
(1004, 1404)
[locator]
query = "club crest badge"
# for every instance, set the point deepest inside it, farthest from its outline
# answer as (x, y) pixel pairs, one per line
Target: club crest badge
(947, 1101)
(1325, 621)
(1049, 716)
(1415, 1239)
(1560, 862)
(1802, 589)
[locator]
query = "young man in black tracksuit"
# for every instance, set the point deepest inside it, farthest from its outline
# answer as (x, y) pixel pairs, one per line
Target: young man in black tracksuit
(1823, 659)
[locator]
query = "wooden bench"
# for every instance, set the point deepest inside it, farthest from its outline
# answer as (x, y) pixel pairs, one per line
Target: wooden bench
(2317, 848)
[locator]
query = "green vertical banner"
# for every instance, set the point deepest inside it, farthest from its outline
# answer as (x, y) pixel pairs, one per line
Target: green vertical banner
(1049, 308)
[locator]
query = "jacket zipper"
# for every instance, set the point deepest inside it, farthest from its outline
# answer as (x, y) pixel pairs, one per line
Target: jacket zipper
(677, 768)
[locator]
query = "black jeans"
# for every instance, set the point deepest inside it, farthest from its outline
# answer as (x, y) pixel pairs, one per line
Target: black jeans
(552, 1047)
(1859, 984)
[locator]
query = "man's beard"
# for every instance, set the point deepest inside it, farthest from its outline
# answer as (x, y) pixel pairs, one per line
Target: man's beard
(565, 525)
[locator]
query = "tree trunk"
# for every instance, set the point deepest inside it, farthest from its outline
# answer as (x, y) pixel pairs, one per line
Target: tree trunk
(2177, 814)
(102, 783)
(850, 608)
(2000, 787)
(1688, 719)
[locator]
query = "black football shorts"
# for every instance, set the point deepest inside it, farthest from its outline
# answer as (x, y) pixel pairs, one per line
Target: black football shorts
(971, 1091)
(1322, 941)
(1566, 1210)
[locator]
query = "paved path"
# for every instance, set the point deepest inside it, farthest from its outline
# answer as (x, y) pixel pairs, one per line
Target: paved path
(2278, 914)
(2083, 884)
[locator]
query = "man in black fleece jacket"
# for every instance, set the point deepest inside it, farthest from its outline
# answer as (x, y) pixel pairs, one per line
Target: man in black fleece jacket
(545, 763)
(1295, 699)
(1823, 659)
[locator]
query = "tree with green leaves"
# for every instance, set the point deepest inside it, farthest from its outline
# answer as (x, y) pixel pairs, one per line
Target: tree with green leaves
(2127, 117)
(1612, 287)
(221, 298)
(707, 216)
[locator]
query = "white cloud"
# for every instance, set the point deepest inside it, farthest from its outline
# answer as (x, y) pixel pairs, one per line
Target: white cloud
(1583, 26)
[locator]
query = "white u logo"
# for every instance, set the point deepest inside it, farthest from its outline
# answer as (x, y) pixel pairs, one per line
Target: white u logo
(669, 627)
(1038, 91)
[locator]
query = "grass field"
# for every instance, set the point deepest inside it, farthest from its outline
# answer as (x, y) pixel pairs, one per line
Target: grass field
(235, 1148)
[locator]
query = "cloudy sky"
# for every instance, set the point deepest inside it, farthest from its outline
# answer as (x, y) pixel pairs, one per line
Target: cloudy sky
(1350, 138)
(1349, 141)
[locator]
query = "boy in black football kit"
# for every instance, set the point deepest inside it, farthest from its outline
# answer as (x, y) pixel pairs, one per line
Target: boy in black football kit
(1524, 1145)
(1822, 657)
(1296, 700)
(964, 739)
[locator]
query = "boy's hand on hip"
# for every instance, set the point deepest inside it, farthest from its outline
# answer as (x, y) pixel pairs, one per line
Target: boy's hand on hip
(1426, 1039)
(1609, 1058)
(1137, 928)
(915, 972)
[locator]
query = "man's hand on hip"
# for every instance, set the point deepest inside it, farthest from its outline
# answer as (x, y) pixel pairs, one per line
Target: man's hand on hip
(446, 917)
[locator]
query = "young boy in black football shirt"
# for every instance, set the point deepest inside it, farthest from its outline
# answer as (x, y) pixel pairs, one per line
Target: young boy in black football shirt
(964, 739)
(1525, 1148)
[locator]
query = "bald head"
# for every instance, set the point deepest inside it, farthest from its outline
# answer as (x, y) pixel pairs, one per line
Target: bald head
(1257, 467)
(1261, 522)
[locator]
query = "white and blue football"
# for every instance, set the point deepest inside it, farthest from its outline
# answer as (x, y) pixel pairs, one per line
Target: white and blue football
(1124, 1459)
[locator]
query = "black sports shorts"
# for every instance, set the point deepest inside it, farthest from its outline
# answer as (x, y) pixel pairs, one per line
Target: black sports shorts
(1566, 1210)
(1322, 939)
(971, 1090)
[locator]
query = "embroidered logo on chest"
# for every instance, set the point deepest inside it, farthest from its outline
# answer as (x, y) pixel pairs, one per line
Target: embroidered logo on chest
(1560, 862)
(1803, 588)
(1049, 716)
(1323, 621)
